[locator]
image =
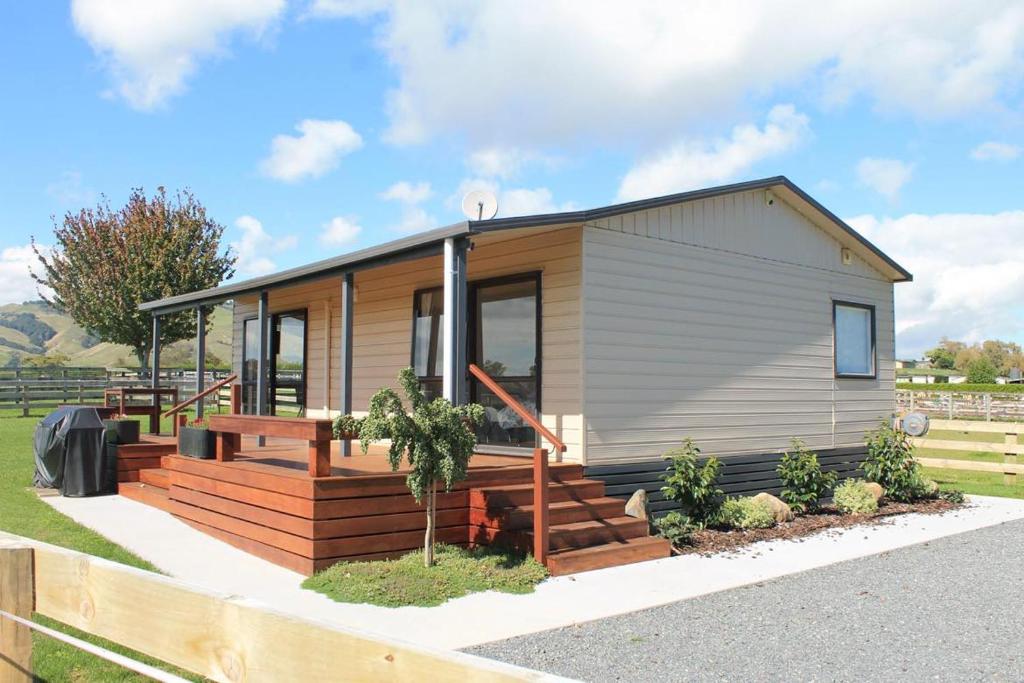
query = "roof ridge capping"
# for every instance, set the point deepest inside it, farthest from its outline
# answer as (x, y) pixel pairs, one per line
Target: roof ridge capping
(426, 243)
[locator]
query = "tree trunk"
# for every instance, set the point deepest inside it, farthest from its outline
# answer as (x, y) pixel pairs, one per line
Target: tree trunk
(142, 354)
(428, 537)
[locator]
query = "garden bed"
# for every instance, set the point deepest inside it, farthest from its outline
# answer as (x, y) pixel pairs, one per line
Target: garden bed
(710, 541)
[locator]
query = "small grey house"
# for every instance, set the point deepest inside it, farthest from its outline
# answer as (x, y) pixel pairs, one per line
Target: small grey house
(740, 316)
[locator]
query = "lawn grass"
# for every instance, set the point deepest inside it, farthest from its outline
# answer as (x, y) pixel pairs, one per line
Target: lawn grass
(978, 483)
(24, 514)
(405, 581)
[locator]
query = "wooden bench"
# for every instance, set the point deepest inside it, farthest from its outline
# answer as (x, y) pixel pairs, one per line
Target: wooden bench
(317, 433)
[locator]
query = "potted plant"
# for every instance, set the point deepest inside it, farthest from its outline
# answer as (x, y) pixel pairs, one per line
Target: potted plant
(196, 440)
(120, 429)
(347, 427)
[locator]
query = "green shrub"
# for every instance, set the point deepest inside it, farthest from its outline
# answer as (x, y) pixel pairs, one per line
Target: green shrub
(804, 484)
(891, 464)
(692, 483)
(952, 496)
(346, 424)
(746, 513)
(676, 528)
(982, 371)
(852, 497)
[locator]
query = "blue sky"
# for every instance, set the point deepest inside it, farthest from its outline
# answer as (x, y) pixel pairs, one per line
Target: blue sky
(313, 128)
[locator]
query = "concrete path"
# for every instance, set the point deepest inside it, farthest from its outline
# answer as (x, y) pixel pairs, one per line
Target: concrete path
(947, 610)
(192, 556)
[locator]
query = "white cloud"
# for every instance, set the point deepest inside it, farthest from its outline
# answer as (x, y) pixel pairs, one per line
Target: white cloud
(627, 71)
(995, 151)
(512, 201)
(690, 164)
(256, 246)
(505, 162)
(340, 230)
(14, 273)
(317, 150)
(409, 193)
(885, 176)
(968, 283)
(152, 48)
(69, 190)
(346, 8)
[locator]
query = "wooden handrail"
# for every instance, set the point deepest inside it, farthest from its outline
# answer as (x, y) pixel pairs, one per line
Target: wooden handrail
(518, 407)
(541, 543)
(201, 395)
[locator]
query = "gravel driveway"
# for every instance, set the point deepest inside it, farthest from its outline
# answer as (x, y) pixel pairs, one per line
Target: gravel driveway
(951, 609)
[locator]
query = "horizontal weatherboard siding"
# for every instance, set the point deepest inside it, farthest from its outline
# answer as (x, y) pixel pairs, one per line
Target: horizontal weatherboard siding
(715, 323)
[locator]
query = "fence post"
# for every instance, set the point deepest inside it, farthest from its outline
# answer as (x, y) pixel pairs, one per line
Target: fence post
(911, 392)
(988, 407)
(17, 596)
(24, 401)
(949, 404)
(1010, 478)
(81, 396)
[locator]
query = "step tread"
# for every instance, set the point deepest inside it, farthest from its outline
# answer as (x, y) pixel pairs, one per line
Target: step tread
(604, 523)
(611, 547)
(610, 554)
(569, 504)
(569, 483)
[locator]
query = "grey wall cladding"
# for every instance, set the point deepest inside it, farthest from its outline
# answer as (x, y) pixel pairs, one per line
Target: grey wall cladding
(740, 475)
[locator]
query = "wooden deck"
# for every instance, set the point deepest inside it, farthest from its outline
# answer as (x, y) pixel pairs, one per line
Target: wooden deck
(264, 502)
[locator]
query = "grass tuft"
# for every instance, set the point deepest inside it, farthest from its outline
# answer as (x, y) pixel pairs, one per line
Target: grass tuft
(406, 582)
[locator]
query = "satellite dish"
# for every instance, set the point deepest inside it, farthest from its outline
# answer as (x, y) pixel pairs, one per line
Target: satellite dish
(479, 205)
(915, 424)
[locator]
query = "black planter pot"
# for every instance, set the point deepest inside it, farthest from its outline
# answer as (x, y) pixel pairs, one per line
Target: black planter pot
(197, 443)
(122, 431)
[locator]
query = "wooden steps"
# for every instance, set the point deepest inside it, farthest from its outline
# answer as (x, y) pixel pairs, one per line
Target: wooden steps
(157, 477)
(639, 549)
(587, 529)
(144, 493)
(136, 457)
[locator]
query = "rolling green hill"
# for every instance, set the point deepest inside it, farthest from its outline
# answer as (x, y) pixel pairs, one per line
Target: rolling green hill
(34, 328)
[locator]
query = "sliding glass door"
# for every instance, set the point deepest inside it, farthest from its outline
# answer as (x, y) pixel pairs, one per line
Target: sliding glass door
(505, 343)
(503, 338)
(287, 386)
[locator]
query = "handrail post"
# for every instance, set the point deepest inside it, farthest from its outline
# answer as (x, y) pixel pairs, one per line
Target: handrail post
(236, 399)
(540, 505)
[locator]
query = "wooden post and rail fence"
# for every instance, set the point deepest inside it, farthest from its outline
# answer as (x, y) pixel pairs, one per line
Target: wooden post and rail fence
(220, 637)
(1011, 449)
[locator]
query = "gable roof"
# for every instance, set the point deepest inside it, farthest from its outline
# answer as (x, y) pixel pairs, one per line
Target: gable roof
(431, 242)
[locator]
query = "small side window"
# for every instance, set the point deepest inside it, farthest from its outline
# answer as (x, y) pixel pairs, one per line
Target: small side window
(854, 335)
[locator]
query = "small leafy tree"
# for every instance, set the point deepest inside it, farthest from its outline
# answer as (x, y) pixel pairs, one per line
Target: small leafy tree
(106, 262)
(804, 484)
(891, 464)
(436, 437)
(693, 483)
(981, 370)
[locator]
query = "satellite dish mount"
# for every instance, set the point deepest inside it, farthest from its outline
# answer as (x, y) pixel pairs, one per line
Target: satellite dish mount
(479, 205)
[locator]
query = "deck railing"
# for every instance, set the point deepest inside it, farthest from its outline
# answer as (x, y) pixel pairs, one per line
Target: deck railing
(237, 389)
(540, 462)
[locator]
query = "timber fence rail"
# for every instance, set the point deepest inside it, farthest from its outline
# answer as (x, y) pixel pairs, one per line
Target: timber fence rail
(950, 404)
(220, 637)
(1010, 448)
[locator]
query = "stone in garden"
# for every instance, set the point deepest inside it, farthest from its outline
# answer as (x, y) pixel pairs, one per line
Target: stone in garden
(637, 505)
(876, 490)
(780, 510)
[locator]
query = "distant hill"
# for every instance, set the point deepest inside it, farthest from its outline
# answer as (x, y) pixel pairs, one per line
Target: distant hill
(34, 328)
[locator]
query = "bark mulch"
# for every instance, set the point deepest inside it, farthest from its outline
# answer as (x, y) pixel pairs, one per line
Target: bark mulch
(711, 541)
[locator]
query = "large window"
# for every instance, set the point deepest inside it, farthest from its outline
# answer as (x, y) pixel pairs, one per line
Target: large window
(854, 336)
(250, 360)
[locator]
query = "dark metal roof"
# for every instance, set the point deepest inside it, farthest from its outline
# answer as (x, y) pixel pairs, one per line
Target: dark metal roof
(430, 242)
